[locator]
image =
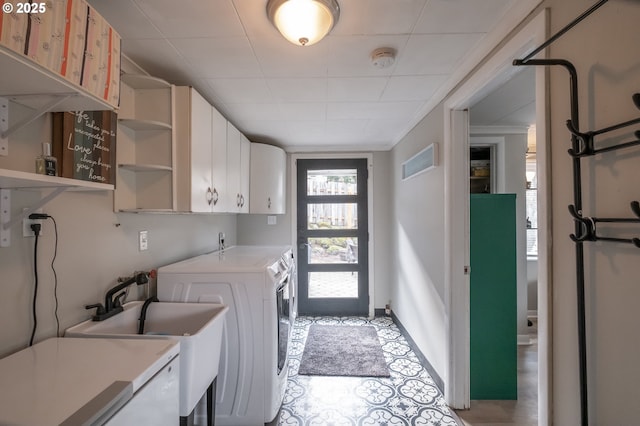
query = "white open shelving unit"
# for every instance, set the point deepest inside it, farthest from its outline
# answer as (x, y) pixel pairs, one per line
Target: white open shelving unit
(27, 83)
(145, 178)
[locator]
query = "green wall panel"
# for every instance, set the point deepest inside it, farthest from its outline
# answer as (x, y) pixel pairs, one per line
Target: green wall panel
(493, 286)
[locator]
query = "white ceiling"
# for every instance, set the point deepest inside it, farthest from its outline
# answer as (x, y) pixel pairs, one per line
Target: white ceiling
(320, 97)
(512, 104)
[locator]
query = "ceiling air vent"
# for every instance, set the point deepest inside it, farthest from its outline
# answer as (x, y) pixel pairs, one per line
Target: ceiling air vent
(424, 160)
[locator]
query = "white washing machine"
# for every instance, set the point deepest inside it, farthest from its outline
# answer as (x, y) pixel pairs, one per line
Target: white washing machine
(258, 285)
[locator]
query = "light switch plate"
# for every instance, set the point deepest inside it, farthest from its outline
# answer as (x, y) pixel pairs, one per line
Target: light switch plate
(271, 220)
(143, 240)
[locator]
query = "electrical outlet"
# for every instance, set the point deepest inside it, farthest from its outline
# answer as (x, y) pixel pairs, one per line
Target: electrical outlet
(271, 220)
(26, 224)
(143, 240)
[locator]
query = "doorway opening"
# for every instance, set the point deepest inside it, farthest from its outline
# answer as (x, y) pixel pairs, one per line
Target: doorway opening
(491, 75)
(332, 236)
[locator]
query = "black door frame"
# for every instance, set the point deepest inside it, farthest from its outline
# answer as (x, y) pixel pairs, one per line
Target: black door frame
(333, 306)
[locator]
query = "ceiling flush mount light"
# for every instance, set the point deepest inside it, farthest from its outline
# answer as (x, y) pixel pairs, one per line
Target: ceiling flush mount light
(303, 22)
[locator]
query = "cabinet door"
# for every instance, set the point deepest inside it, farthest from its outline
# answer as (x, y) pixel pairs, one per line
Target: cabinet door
(245, 171)
(201, 153)
(268, 176)
(234, 141)
(219, 162)
(156, 403)
(493, 329)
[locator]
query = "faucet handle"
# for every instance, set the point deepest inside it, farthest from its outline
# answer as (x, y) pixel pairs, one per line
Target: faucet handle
(117, 301)
(99, 311)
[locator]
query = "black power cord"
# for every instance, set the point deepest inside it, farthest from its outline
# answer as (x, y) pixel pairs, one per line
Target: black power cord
(36, 227)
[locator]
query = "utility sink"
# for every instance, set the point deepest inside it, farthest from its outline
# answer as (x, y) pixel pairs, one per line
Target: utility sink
(198, 327)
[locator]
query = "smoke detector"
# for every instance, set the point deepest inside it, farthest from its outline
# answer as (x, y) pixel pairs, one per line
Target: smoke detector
(383, 57)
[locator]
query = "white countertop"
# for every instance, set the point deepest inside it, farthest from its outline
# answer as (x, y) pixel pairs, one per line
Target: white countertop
(232, 259)
(48, 382)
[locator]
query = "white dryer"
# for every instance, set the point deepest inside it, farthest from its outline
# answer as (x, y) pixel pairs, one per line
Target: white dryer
(258, 285)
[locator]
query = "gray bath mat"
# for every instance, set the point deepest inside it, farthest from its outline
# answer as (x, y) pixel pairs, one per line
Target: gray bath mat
(343, 351)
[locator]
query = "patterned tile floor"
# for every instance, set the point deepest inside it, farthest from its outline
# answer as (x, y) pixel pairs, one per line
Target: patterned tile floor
(408, 397)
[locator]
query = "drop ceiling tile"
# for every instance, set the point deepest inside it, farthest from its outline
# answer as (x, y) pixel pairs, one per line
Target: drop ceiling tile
(356, 89)
(369, 17)
(304, 111)
(351, 56)
(264, 131)
(230, 57)
(241, 90)
(345, 128)
(299, 128)
(280, 58)
(254, 18)
(298, 89)
(434, 53)
(461, 16)
(159, 58)
(184, 18)
(384, 132)
(412, 88)
(232, 54)
(251, 111)
(371, 110)
(126, 18)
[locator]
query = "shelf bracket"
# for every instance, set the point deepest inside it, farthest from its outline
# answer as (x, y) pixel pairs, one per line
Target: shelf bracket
(6, 132)
(5, 217)
(5, 212)
(4, 125)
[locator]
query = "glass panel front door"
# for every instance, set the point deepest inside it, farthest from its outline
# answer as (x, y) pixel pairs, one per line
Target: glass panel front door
(332, 237)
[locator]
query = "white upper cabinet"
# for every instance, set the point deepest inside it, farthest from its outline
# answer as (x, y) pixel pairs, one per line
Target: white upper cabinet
(238, 164)
(245, 170)
(194, 151)
(219, 162)
(268, 179)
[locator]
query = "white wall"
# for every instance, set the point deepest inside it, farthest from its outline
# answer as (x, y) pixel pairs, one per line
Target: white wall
(417, 273)
(604, 49)
(96, 246)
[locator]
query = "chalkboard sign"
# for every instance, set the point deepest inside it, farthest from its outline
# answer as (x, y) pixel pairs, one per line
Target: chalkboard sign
(84, 142)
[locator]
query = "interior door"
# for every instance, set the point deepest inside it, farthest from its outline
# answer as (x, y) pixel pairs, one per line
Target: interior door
(332, 237)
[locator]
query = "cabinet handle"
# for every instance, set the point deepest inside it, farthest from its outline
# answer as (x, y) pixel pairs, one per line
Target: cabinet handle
(215, 196)
(209, 196)
(269, 202)
(241, 200)
(238, 200)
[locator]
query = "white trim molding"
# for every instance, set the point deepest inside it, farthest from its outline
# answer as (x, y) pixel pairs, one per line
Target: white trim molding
(498, 68)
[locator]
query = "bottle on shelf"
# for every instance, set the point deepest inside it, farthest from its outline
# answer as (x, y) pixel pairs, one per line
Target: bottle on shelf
(46, 164)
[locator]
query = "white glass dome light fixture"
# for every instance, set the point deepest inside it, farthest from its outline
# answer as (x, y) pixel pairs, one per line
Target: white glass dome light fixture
(303, 22)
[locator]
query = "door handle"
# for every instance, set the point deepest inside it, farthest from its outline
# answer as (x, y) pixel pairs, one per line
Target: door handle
(209, 196)
(215, 196)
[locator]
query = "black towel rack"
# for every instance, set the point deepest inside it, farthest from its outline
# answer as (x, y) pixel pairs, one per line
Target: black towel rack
(583, 145)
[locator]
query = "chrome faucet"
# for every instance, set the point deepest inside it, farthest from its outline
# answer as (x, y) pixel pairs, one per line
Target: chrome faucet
(113, 305)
